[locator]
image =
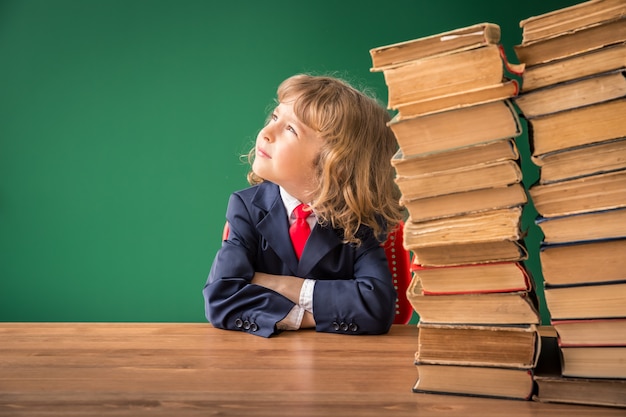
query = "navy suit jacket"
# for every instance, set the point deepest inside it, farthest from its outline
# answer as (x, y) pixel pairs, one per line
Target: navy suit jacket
(354, 291)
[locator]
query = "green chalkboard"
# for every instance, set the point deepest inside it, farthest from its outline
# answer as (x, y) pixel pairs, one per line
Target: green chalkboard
(122, 123)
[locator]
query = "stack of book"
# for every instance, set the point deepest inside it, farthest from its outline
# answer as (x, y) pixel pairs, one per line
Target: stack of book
(459, 174)
(574, 98)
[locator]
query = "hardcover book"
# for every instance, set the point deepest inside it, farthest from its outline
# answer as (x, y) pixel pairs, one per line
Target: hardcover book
(572, 42)
(597, 88)
(448, 130)
(580, 195)
(553, 387)
(496, 151)
(475, 278)
(478, 345)
(578, 127)
(452, 41)
(511, 383)
(465, 202)
(584, 227)
(470, 253)
(468, 178)
(488, 226)
(474, 308)
(596, 158)
(598, 301)
(608, 58)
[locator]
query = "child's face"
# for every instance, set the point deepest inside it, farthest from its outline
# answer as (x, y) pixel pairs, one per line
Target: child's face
(285, 152)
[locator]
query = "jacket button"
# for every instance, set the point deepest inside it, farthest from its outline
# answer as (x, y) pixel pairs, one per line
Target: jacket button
(254, 327)
(246, 325)
(343, 326)
(239, 323)
(353, 327)
(335, 325)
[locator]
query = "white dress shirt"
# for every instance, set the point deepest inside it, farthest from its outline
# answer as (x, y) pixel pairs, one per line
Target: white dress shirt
(293, 320)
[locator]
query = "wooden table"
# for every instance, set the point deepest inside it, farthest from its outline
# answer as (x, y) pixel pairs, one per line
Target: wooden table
(106, 369)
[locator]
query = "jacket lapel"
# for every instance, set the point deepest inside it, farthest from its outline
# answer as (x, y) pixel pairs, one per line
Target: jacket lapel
(274, 226)
(321, 241)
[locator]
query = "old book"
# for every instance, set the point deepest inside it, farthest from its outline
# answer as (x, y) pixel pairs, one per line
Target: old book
(474, 381)
(452, 41)
(497, 92)
(594, 362)
(596, 158)
(442, 75)
(475, 278)
(595, 225)
(554, 388)
(577, 262)
(584, 391)
(570, 95)
(577, 127)
(470, 253)
(572, 43)
(488, 226)
(500, 346)
(601, 60)
(456, 128)
(465, 202)
(473, 177)
(569, 19)
(410, 165)
(474, 308)
(596, 301)
(599, 332)
(581, 195)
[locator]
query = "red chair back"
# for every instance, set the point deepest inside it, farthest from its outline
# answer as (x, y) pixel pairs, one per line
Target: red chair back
(399, 261)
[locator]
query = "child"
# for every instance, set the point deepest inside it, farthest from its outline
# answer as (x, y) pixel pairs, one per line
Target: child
(327, 145)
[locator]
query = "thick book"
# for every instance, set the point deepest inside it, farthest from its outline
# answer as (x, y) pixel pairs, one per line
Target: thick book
(475, 345)
(471, 253)
(569, 19)
(577, 127)
(507, 89)
(573, 94)
(488, 226)
(475, 278)
(572, 43)
(478, 381)
(596, 301)
(574, 263)
(456, 128)
(552, 387)
(594, 362)
(411, 165)
(592, 226)
(467, 178)
(442, 75)
(596, 158)
(465, 202)
(580, 195)
(595, 332)
(474, 308)
(453, 41)
(601, 60)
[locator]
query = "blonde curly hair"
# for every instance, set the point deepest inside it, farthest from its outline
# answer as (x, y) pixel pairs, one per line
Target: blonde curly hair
(355, 183)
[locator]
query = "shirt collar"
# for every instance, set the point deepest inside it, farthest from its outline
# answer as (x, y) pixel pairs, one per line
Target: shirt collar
(289, 201)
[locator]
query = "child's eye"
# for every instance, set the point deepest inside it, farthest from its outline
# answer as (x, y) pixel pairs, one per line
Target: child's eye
(292, 130)
(274, 117)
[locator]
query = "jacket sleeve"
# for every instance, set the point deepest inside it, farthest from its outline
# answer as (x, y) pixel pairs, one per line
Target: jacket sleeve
(231, 301)
(364, 304)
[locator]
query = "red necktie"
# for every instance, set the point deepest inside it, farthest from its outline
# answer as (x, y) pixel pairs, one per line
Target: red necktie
(300, 230)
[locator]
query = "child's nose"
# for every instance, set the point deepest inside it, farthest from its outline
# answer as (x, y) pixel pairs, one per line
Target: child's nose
(267, 133)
